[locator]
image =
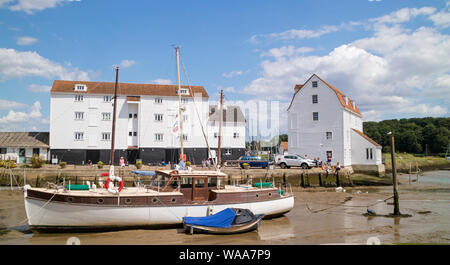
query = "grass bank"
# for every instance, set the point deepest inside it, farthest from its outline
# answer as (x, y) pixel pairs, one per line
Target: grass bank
(405, 161)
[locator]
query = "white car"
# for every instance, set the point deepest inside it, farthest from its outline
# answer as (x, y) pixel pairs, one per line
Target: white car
(287, 161)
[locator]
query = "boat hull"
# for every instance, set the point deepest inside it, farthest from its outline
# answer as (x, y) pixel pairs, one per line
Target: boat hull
(234, 229)
(50, 215)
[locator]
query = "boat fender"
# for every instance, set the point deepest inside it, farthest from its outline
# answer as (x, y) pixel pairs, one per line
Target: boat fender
(94, 187)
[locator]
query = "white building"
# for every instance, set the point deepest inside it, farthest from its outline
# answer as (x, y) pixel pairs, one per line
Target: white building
(323, 122)
(21, 146)
(146, 122)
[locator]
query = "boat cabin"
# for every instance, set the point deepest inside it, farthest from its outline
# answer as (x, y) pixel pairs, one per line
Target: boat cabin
(196, 186)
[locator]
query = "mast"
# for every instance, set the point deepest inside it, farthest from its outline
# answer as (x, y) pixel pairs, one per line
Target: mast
(219, 153)
(177, 49)
(114, 116)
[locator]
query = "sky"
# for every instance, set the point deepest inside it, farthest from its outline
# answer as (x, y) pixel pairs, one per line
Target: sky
(391, 57)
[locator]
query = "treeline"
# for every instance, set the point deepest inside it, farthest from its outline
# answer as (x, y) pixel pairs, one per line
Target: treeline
(416, 135)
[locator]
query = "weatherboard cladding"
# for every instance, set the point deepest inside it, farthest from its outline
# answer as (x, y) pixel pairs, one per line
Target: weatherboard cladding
(231, 114)
(61, 86)
(366, 137)
(341, 96)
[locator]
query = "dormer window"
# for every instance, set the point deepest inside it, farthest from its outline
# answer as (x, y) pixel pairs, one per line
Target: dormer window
(80, 87)
(107, 98)
(184, 92)
(314, 83)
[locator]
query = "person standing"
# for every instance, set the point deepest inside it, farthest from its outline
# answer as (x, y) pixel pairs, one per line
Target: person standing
(122, 162)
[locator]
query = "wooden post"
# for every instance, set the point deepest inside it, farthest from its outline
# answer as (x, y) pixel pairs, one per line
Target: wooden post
(302, 181)
(320, 180)
(338, 183)
(219, 147)
(37, 182)
(394, 177)
(113, 132)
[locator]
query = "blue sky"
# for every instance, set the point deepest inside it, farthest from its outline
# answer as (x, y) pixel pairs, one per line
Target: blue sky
(391, 57)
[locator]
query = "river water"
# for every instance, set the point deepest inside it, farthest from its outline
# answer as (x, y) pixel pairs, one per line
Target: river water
(325, 217)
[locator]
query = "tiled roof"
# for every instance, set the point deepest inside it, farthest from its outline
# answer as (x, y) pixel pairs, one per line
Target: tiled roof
(231, 114)
(24, 139)
(129, 89)
(284, 145)
(348, 105)
(366, 137)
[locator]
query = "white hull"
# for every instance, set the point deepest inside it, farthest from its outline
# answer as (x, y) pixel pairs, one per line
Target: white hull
(58, 214)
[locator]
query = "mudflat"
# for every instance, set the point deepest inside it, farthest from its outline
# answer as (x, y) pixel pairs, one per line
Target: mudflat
(319, 217)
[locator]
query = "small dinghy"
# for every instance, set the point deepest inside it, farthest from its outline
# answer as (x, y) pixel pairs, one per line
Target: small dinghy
(228, 221)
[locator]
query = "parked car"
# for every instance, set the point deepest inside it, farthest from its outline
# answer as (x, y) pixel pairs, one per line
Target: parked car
(253, 161)
(287, 161)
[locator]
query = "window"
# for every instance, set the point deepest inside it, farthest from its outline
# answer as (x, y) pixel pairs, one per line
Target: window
(315, 99)
(158, 100)
(106, 136)
(130, 115)
(185, 117)
(184, 92)
(79, 115)
(130, 133)
(107, 98)
(369, 154)
(80, 87)
(158, 117)
(159, 137)
(106, 116)
(216, 135)
(135, 115)
(3, 151)
(329, 155)
(184, 100)
(314, 83)
(329, 135)
(79, 136)
(79, 98)
(185, 137)
(315, 116)
(235, 135)
(135, 134)
(228, 152)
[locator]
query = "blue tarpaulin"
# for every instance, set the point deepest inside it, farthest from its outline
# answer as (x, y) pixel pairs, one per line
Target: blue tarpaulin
(143, 173)
(221, 219)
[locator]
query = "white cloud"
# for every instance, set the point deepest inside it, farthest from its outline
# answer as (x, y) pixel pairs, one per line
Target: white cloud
(127, 63)
(232, 74)
(6, 104)
(161, 81)
(396, 70)
(39, 88)
(17, 64)
(298, 34)
(442, 18)
(23, 121)
(404, 15)
(26, 41)
(30, 6)
(286, 51)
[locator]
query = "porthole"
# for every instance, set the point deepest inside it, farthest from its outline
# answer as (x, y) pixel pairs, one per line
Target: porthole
(100, 201)
(257, 195)
(127, 201)
(155, 200)
(174, 200)
(270, 194)
(69, 199)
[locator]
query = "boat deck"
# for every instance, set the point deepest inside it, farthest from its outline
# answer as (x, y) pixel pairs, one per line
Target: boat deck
(126, 191)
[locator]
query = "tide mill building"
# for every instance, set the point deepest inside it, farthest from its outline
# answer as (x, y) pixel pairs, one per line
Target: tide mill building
(146, 123)
(323, 122)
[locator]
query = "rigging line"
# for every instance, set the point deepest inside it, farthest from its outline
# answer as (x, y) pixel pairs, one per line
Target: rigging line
(38, 210)
(196, 110)
(342, 205)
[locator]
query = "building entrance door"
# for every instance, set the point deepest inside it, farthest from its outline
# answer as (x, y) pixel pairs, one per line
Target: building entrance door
(21, 155)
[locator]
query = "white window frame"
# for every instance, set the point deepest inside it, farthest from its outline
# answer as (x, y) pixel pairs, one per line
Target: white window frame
(79, 98)
(79, 136)
(228, 152)
(79, 115)
(185, 137)
(315, 84)
(158, 100)
(329, 135)
(159, 137)
(80, 87)
(316, 97)
(216, 135)
(159, 117)
(107, 98)
(106, 116)
(106, 136)
(235, 135)
(184, 100)
(317, 116)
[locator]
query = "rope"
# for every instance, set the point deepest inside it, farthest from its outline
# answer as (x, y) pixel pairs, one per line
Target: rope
(342, 205)
(45, 204)
(196, 110)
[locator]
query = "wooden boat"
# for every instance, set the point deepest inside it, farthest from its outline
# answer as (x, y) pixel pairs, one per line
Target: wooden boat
(165, 200)
(228, 221)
